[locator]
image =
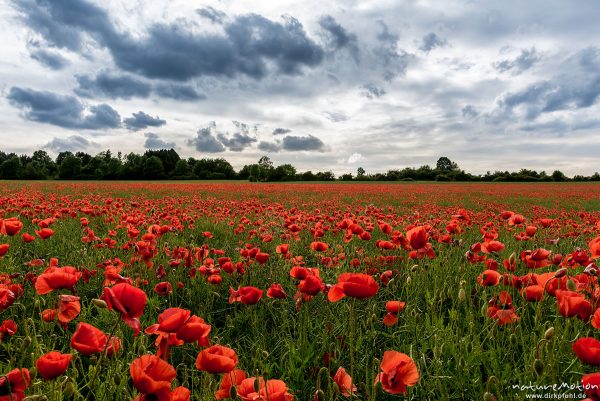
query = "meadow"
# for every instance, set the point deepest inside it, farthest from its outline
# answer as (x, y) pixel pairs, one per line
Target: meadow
(305, 291)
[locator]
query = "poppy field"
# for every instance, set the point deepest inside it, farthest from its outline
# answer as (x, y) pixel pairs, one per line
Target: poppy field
(279, 292)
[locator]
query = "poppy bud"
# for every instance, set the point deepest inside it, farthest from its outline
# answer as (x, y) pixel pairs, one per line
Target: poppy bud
(461, 295)
(256, 384)
(590, 270)
(25, 344)
(265, 354)
(571, 285)
(36, 304)
(561, 272)
(378, 387)
(538, 367)
(549, 334)
(33, 370)
(408, 280)
(99, 303)
(414, 268)
(319, 395)
(233, 393)
(487, 396)
(68, 389)
(117, 379)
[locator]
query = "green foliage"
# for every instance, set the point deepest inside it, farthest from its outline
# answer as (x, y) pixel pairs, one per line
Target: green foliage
(132, 166)
(70, 167)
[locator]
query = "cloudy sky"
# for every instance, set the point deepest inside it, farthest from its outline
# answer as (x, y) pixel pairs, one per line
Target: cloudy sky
(325, 85)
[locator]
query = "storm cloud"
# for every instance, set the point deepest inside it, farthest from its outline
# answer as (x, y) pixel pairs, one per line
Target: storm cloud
(398, 83)
(205, 140)
(338, 37)
(112, 86)
(62, 110)
(153, 141)
(141, 120)
(281, 131)
(249, 44)
(298, 143)
(431, 41)
(73, 143)
(50, 59)
(524, 61)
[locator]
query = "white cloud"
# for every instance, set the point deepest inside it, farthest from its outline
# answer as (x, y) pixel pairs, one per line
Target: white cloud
(374, 95)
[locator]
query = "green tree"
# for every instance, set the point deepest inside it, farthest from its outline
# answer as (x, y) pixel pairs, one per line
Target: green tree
(558, 176)
(182, 170)
(70, 168)
(263, 170)
(10, 169)
(284, 172)
(445, 165)
(153, 168)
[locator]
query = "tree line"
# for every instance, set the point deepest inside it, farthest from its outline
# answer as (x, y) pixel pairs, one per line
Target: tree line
(167, 164)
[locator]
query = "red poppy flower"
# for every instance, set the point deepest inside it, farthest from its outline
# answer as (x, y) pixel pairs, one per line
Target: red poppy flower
(180, 394)
(272, 390)
(571, 303)
(55, 278)
(533, 293)
(231, 379)
(89, 340)
(398, 371)
(536, 259)
(217, 359)
(13, 385)
(4, 249)
(310, 285)
(356, 285)
(163, 288)
(591, 385)
(52, 364)
(68, 308)
(587, 350)
(344, 382)
(596, 319)
(319, 246)
(492, 247)
(195, 329)
(10, 226)
(27, 238)
(261, 257)
(418, 237)
(129, 301)
(45, 233)
(393, 308)
(595, 247)
(246, 295)
(505, 316)
(489, 278)
(276, 291)
(282, 249)
(8, 327)
(172, 319)
(48, 315)
(152, 376)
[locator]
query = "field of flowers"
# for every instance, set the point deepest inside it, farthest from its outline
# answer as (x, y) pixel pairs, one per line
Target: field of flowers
(203, 291)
